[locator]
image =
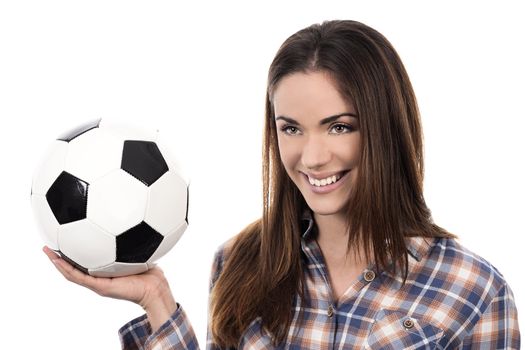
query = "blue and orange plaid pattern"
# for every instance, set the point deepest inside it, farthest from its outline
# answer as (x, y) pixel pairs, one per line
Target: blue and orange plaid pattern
(452, 299)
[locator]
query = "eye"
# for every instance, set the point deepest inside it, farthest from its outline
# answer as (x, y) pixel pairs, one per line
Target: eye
(341, 128)
(290, 130)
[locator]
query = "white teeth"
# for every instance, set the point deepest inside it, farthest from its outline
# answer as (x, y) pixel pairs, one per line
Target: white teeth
(323, 182)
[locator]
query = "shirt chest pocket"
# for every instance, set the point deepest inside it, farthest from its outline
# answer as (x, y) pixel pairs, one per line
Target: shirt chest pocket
(395, 330)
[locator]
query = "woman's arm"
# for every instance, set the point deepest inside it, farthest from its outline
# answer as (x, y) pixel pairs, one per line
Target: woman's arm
(150, 290)
(165, 325)
(176, 333)
(164, 321)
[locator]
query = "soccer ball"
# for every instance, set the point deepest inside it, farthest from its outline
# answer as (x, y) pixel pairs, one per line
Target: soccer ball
(110, 199)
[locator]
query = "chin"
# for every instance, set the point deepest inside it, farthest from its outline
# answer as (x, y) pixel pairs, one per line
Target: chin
(326, 212)
(333, 203)
(325, 209)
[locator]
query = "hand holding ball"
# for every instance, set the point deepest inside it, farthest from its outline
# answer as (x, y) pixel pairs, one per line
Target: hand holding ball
(110, 199)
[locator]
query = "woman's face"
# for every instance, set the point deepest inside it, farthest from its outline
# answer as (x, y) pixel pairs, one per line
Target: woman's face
(319, 139)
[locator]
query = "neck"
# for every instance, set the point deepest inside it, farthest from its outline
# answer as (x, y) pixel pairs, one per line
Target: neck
(333, 239)
(331, 228)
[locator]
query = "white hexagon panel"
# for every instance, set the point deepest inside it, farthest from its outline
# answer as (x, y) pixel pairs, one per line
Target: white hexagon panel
(49, 168)
(94, 154)
(117, 202)
(118, 269)
(91, 246)
(47, 223)
(167, 207)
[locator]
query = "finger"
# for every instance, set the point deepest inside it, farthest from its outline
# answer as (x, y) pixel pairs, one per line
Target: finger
(75, 275)
(65, 269)
(101, 286)
(61, 265)
(50, 253)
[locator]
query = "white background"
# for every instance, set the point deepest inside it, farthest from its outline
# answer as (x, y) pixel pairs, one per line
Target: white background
(197, 72)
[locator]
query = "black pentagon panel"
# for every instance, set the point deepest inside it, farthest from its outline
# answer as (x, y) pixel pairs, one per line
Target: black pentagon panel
(137, 244)
(79, 130)
(67, 198)
(71, 262)
(143, 160)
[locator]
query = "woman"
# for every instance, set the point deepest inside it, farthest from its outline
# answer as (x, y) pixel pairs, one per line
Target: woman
(346, 254)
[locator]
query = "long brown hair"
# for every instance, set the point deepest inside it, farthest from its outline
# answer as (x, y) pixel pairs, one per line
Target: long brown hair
(263, 271)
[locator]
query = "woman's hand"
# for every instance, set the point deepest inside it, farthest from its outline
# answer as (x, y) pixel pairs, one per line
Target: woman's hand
(149, 289)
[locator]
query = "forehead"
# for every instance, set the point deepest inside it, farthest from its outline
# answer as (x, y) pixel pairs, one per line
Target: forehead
(313, 94)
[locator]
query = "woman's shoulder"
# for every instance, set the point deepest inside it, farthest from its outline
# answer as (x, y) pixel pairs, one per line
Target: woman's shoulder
(220, 257)
(457, 290)
(458, 266)
(241, 248)
(225, 249)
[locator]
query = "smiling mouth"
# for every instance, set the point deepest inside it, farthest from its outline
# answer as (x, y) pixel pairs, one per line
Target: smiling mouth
(326, 181)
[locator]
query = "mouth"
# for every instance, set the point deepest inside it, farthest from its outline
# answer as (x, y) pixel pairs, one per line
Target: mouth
(326, 181)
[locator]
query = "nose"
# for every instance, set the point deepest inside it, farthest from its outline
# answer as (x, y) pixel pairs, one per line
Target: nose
(316, 153)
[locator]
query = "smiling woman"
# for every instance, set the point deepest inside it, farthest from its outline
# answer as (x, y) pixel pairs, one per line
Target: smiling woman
(346, 253)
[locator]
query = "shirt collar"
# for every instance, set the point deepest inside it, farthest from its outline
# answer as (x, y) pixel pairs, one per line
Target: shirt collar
(417, 247)
(307, 225)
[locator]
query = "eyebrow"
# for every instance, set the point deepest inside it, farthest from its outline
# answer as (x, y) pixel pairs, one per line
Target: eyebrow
(323, 121)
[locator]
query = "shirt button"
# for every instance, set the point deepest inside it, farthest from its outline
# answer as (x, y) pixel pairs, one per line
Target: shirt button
(330, 311)
(369, 275)
(408, 323)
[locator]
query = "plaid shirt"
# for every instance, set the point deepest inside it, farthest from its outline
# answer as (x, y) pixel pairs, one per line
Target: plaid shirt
(452, 299)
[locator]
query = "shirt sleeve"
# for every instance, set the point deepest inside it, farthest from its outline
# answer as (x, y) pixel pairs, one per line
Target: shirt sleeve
(175, 333)
(498, 326)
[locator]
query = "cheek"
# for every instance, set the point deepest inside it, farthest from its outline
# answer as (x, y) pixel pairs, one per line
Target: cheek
(289, 154)
(350, 151)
